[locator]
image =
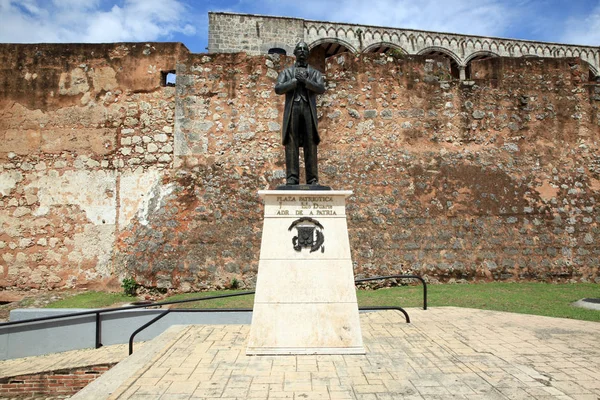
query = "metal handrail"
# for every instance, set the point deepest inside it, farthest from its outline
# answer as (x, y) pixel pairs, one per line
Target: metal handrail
(164, 313)
(98, 312)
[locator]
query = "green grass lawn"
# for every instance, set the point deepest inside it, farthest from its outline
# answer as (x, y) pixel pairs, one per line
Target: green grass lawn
(231, 302)
(552, 300)
(91, 300)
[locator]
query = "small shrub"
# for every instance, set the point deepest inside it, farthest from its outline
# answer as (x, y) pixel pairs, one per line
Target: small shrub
(129, 286)
(234, 284)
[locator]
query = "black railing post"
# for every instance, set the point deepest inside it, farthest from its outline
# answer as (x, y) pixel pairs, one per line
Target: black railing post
(98, 331)
(141, 328)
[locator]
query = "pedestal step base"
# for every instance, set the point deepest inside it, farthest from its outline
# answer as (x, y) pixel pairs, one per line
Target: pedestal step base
(286, 351)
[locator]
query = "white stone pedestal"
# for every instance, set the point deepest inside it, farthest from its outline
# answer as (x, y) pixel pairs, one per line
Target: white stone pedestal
(305, 299)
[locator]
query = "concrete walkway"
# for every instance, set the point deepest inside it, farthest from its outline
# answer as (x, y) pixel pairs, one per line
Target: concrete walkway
(65, 360)
(446, 353)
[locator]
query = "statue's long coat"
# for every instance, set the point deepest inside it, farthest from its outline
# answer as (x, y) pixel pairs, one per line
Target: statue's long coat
(315, 84)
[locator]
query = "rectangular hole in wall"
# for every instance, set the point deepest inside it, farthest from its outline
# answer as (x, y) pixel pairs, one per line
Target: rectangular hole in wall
(167, 78)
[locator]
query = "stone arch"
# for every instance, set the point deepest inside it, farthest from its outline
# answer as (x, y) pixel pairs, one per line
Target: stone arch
(513, 49)
(478, 55)
(332, 40)
(455, 61)
(584, 54)
(469, 44)
(269, 48)
(539, 50)
(326, 47)
(547, 51)
(593, 74)
(383, 47)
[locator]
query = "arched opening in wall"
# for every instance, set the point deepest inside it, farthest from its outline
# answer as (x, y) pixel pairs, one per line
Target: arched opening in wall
(386, 48)
(324, 50)
(277, 50)
(168, 78)
(454, 69)
(593, 76)
(476, 57)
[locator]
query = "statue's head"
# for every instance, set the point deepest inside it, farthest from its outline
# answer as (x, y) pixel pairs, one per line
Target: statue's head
(301, 52)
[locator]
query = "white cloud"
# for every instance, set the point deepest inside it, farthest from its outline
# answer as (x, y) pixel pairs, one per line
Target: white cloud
(33, 21)
(481, 17)
(584, 30)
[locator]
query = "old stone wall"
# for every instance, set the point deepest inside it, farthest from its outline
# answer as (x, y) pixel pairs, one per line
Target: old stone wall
(85, 132)
(252, 34)
(495, 178)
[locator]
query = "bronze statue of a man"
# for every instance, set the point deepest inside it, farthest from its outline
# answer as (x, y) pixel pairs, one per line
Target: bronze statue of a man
(300, 83)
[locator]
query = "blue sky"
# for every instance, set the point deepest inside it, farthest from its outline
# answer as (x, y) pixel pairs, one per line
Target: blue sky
(101, 21)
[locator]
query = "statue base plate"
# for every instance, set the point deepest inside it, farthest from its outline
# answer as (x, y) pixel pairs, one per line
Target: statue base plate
(303, 187)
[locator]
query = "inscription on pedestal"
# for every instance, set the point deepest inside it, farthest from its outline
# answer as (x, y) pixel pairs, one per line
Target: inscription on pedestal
(306, 206)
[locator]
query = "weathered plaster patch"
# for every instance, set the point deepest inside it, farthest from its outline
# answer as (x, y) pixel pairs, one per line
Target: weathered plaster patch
(104, 78)
(97, 200)
(8, 181)
(155, 199)
(95, 245)
(137, 188)
(73, 83)
(547, 191)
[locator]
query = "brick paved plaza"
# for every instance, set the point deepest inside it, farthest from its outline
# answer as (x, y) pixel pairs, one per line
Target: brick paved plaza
(445, 353)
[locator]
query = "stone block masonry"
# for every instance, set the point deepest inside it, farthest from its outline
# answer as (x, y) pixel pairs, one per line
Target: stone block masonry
(64, 382)
(111, 174)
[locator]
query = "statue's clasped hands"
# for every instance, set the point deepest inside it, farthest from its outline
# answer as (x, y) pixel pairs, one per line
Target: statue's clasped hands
(301, 74)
